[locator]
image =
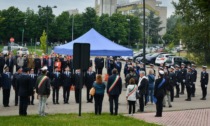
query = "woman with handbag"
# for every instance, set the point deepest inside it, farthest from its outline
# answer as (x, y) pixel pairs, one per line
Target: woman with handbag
(99, 94)
(131, 95)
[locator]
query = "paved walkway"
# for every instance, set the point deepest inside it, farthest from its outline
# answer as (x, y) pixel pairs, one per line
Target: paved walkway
(198, 117)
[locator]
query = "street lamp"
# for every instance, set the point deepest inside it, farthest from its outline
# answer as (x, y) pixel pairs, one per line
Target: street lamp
(72, 28)
(47, 8)
(144, 39)
(129, 20)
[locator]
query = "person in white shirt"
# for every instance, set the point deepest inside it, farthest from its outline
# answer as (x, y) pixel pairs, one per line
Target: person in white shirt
(131, 95)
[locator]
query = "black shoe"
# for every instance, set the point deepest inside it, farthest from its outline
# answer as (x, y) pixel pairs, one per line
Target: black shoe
(57, 102)
(181, 93)
(193, 95)
(164, 106)
(158, 116)
(32, 103)
(176, 96)
(16, 104)
(54, 103)
(188, 99)
(170, 106)
(203, 99)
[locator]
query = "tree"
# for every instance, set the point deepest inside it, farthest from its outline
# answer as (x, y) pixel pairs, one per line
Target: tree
(89, 19)
(43, 40)
(196, 26)
(105, 26)
(153, 27)
(62, 26)
(120, 26)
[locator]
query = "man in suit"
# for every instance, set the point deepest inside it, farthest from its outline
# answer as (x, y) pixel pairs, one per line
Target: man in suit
(23, 83)
(77, 77)
(32, 84)
(6, 86)
(194, 78)
(189, 83)
(20, 61)
(96, 61)
(114, 88)
(142, 87)
(183, 74)
(172, 82)
(2, 63)
(49, 64)
(90, 77)
(204, 82)
(9, 63)
(37, 63)
(14, 83)
(118, 65)
(56, 84)
(178, 80)
(100, 65)
(67, 82)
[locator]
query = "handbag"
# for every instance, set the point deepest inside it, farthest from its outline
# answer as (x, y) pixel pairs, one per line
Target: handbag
(92, 91)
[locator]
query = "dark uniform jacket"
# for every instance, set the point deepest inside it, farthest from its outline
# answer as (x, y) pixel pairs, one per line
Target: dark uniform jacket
(159, 91)
(100, 63)
(89, 79)
(178, 76)
(66, 79)
(204, 78)
(33, 78)
(77, 81)
(183, 74)
(23, 83)
(189, 79)
(168, 86)
(6, 80)
(172, 78)
(143, 87)
(194, 75)
(44, 89)
(117, 88)
(118, 66)
(56, 79)
(37, 63)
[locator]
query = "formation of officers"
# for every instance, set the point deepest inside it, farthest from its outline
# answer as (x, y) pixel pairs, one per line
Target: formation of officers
(62, 74)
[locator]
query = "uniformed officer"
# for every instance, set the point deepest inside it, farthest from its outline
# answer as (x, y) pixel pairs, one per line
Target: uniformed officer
(183, 75)
(56, 83)
(172, 82)
(100, 65)
(90, 77)
(194, 78)
(178, 77)
(118, 65)
(189, 83)
(67, 82)
(6, 86)
(32, 90)
(14, 83)
(204, 82)
(77, 84)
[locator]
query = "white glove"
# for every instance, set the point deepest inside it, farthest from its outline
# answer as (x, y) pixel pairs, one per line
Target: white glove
(206, 86)
(183, 81)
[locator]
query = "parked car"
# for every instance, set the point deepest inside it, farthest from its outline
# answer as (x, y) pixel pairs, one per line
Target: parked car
(161, 59)
(126, 57)
(177, 60)
(152, 58)
(139, 59)
(136, 55)
(23, 51)
(5, 50)
(14, 46)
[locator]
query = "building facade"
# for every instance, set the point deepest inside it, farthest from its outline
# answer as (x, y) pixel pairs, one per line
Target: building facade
(73, 11)
(105, 7)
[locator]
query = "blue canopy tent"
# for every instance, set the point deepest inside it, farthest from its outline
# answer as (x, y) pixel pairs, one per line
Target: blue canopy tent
(99, 46)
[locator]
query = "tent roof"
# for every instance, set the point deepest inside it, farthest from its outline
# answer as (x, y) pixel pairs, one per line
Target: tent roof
(99, 46)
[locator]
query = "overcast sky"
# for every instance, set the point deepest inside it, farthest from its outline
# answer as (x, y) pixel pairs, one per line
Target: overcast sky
(63, 5)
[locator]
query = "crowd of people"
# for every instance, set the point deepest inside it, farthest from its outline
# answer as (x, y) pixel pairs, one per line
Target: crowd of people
(28, 74)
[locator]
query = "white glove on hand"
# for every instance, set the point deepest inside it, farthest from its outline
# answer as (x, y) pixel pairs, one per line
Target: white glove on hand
(206, 86)
(183, 81)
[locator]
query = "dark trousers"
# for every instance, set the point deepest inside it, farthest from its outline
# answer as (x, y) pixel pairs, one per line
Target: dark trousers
(193, 89)
(100, 70)
(16, 97)
(55, 94)
(113, 99)
(66, 92)
(89, 97)
(204, 90)
(96, 69)
(6, 95)
(23, 105)
(132, 106)
(141, 102)
(31, 99)
(36, 70)
(177, 90)
(98, 103)
(77, 95)
(188, 92)
(172, 94)
(146, 100)
(159, 106)
(182, 87)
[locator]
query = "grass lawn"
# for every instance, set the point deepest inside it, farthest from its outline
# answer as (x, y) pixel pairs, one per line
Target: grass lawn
(88, 119)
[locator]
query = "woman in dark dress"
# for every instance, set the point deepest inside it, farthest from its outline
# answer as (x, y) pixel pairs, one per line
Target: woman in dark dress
(159, 93)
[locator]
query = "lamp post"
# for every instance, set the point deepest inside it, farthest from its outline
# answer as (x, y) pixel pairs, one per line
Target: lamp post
(144, 39)
(129, 31)
(47, 9)
(72, 28)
